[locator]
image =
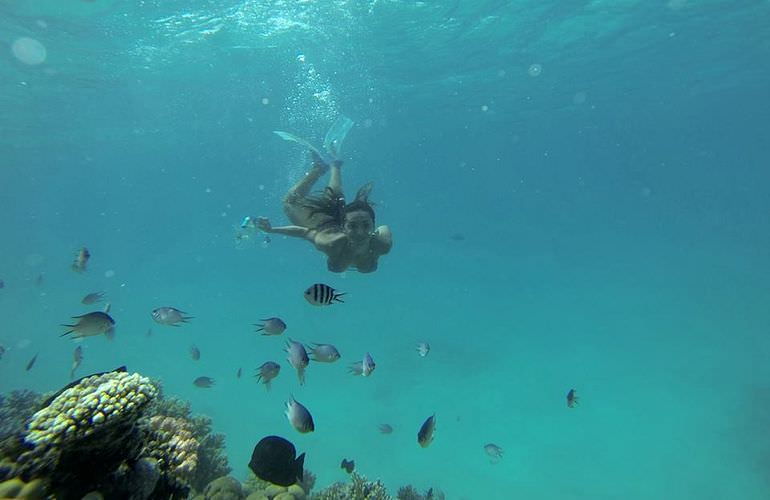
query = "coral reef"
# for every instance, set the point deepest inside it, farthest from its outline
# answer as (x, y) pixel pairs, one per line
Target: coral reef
(409, 492)
(212, 460)
(257, 488)
(223, 488)
(357, 489)
(83, 434)
(114, 435)
(108, 435)
(16, 488)
(171, 443)
(95, 403)
(15, 409)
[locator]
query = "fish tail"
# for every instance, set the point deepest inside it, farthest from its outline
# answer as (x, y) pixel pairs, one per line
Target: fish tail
(300, 463)
(71, 329)
(337, 297)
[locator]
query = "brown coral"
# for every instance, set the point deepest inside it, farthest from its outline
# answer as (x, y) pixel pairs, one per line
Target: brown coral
(170, 441)
(357, 489)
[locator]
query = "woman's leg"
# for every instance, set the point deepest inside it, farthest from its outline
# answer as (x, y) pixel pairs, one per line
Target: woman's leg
(293, 206)
(303, 187)
(335, 178)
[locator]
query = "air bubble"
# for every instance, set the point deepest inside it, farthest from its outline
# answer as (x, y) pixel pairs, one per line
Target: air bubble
(29, 51)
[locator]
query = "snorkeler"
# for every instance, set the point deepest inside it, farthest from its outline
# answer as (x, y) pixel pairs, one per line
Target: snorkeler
(345, 232)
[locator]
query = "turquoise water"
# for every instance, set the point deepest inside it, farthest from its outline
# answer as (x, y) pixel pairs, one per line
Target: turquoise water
(605, 163)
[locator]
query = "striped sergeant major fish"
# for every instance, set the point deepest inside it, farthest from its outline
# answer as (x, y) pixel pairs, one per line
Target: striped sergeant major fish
(322, 295)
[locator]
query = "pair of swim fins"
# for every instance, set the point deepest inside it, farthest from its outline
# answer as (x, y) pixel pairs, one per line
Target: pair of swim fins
(332, 142)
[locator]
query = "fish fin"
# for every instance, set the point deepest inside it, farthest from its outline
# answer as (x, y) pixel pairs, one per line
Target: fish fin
(175, 325)
(68, 331)
(337, 297)
(110, 334)
(300, 463)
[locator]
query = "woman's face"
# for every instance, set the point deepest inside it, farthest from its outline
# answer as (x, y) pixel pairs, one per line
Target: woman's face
(358, 225)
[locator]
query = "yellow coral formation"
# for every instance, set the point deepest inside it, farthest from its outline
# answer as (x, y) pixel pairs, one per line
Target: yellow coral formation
(172, 443)
(16, 488)
(94, 402)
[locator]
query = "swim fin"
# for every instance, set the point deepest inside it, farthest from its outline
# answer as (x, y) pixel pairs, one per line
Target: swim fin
(299, 140)
(332, 142)
(336, 135)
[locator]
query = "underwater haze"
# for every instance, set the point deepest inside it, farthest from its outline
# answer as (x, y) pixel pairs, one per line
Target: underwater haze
(578, 195)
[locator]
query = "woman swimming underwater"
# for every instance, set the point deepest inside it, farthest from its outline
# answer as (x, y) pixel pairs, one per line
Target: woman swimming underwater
(345, 232)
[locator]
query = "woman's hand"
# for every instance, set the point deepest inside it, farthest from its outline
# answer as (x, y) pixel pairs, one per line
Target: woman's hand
(263, 223)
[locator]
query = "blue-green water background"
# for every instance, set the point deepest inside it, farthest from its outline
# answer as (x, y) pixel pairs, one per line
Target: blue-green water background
(613, 207)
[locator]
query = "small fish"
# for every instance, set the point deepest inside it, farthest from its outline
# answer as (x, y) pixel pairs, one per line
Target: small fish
(81, 260)
(425, 435)
(92, 298)
(271, 326)
(2, 284)
(267, 372)
(273, 460)
(195, 353)
(297, 358)
(77, 358)
(203, 382)
(240, 371)
(365, 367)
(348, 465)
(423, 348)
(299, 416)
(494, 452)
(93, 323)
(2, 351)
(170, 316)
(39, 280)
(31, 362)
(572, 399)
(322, 295)
(386, 429)
(324, 353)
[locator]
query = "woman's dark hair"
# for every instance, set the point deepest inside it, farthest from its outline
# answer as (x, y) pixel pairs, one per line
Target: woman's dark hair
(332, 204)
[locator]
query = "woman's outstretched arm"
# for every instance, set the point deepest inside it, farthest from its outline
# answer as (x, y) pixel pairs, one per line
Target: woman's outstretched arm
(263, 223)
